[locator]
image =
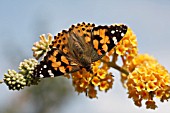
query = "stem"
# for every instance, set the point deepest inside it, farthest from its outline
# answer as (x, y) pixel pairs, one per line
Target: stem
(114, 65)
(121, 69)
(123, 60)
(115, 57)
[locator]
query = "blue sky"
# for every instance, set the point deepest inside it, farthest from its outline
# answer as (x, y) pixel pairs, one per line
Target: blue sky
(22, 21)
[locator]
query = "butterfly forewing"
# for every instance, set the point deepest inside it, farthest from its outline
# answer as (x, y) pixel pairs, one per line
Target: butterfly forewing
(107, 37)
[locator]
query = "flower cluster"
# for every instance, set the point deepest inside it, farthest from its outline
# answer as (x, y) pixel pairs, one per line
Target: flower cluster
(86, 82)
(17, 81)
(147, 79)
(40, 48)
(14, 80)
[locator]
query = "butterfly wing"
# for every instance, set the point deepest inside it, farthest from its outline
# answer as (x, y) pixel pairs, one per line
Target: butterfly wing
(105, 38)
(55, 63)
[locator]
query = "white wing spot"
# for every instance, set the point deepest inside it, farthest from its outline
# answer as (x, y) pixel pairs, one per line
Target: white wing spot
(50, 73)
(113, 31)
(41, 76)
(114, 40)
(122, 34)
(45, 66)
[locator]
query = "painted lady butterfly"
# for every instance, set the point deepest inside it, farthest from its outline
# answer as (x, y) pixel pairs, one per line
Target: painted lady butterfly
(78, 48)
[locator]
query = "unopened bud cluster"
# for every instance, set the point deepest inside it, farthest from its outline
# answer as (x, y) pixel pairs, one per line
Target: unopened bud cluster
(40, 48)
(17, 80)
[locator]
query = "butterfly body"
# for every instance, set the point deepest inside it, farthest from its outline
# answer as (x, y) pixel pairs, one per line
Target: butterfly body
(78, 48)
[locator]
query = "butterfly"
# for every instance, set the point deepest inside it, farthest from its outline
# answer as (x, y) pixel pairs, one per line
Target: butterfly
(78, 47)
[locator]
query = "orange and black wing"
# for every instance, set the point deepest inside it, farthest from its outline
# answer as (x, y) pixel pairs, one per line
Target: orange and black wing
(106, 37)
(55, 63)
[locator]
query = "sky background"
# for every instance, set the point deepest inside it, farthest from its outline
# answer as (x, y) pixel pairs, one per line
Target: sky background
(22, 21)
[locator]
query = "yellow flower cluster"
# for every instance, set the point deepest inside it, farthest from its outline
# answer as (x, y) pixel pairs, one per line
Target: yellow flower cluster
(147, 79)
(83, 81)
(138, 60)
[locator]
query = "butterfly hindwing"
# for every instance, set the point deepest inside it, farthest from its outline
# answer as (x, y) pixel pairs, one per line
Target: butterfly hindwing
(55, 63)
